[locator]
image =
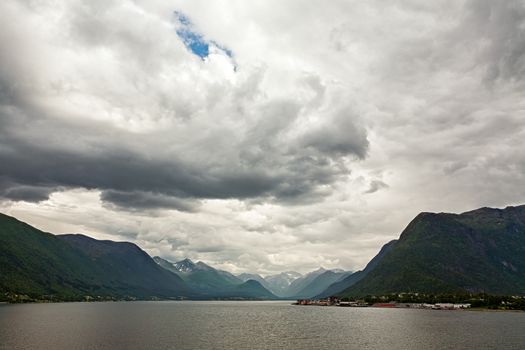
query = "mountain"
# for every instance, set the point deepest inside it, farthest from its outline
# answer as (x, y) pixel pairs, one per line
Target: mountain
(252, 276)
(320, 283)
(247, 290)
(302, 282)
(126, 263)
(70, 267)
(350, 280)
(478, 251)
(189, 269)
(184, 266)
(198, 275)
(213, 283)
(279, 283)
(294, 285)
(229, 276)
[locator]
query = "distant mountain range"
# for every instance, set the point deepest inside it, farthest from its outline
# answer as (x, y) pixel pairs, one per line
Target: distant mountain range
(311, 283)
(477, 251)
(320, 283)
(290, 285)
(279, 283)
(213, 283)
(293, 285)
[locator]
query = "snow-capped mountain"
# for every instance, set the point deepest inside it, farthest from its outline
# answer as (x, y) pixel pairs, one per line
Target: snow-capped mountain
(279, 283)
(184, 266)
(214, 283)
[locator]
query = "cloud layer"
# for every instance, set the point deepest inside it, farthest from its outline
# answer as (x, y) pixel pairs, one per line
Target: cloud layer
(332, 126)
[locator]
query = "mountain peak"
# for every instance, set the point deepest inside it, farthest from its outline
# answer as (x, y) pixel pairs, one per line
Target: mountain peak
(291, 274)
(184, 266)
(202, 266)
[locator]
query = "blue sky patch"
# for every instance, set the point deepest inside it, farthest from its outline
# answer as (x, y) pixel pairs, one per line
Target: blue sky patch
(194, 40)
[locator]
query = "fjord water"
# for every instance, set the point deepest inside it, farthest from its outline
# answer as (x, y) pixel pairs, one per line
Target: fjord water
(251, 325)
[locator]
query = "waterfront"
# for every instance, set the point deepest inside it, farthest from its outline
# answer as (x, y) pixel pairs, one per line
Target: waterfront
(251, 325)
(393, 304)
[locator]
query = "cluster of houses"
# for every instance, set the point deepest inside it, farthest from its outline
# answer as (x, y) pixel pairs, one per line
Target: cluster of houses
(332, 301)
(437, 306)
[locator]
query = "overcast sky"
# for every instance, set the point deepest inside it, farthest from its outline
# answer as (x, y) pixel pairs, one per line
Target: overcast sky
(258, 136)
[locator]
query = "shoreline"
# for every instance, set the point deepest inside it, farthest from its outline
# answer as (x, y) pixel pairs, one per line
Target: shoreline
(414, 308)
(139, 300)
(475, 309)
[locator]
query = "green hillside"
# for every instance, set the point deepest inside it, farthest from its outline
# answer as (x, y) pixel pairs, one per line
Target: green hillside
(477, 251)
(43, 266)
(36, 263)
(127, 268)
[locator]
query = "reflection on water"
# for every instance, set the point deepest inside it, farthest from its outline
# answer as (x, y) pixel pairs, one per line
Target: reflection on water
(251, 325)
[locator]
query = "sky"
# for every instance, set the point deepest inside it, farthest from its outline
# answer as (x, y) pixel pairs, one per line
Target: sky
(258, 136)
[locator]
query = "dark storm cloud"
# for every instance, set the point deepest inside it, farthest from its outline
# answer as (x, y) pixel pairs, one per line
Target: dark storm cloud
(145, 200)
(25, 193)
(35, 161)
(342, 137)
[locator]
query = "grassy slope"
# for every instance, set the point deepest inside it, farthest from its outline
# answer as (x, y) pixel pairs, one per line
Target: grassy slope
(127, 268)
(36, 263)
(478, 251)
(39, 264)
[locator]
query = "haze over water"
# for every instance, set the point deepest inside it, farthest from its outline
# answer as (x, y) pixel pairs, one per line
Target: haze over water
(251, 325)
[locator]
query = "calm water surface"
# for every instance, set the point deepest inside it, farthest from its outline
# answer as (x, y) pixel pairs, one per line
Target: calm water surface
(251, 325)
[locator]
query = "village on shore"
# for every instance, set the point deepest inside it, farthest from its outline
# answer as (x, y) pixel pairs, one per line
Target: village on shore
(333, 301)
